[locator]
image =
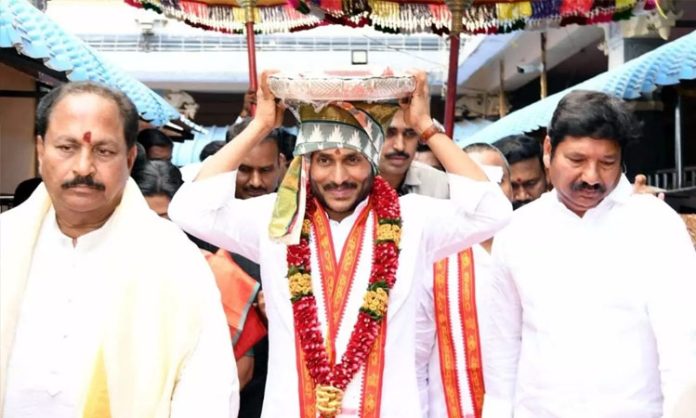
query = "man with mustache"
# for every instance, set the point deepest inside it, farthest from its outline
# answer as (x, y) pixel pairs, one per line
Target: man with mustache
(343, 256)
(260, 171)
(91, 325)
(594, 316)
(397, 165)
(528, 177)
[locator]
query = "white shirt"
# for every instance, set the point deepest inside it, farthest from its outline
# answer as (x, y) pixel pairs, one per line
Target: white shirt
(594, 316)
(432, 229)
(432, 393)
(59, 330)
(190, 171)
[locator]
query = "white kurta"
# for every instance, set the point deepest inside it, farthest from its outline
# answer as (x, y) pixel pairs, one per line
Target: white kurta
(432, 229)
(62, 321)
(594, 316)
(428, 354)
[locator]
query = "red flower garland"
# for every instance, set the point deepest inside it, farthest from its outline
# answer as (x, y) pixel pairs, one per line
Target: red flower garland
(382, 276)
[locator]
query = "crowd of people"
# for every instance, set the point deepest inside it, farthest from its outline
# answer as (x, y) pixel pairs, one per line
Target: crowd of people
(377, 271)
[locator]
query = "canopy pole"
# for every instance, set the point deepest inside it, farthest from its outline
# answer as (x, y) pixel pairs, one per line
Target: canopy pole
(456, 8)
(678, 160)
(542, 78)
(251, 48)
(452, 84)
(502, 111)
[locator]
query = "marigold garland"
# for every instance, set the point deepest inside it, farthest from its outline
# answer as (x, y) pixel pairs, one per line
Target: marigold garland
(331, 380)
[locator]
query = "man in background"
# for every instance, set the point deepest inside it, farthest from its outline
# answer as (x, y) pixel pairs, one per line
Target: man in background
(528, 176)
(397, 165)
(158, 146)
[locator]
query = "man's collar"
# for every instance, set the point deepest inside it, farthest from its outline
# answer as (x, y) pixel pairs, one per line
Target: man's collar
(356, 211)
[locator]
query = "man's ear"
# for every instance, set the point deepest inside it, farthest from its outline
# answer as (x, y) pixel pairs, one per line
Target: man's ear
(282, 161)
(547, 152)
(131, 155)
(40, 151)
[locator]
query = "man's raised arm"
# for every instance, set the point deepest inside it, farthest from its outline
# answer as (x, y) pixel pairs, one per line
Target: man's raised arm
(477, 208)
(207, 207)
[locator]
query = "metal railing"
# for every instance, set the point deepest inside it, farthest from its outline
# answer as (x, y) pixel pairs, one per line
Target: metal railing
(213, 43)
(667, 179)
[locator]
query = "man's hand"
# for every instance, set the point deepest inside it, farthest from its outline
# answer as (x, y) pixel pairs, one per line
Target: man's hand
(417, 111)
(269, 114)
(640, 186)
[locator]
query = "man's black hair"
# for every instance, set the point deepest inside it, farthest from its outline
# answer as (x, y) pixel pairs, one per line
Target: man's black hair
(126, 108)
(151, 137)
(583, 113)
(286, 141)
(210, 149)
(518, 148)
(277, 135)
(237, 128)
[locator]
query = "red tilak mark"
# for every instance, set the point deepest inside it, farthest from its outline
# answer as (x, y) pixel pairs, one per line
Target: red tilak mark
(87, 137)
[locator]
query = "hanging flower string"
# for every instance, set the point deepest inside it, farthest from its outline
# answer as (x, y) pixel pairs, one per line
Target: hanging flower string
(331, 380)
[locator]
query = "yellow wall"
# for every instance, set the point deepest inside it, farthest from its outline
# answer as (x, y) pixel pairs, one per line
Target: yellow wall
(17, 154)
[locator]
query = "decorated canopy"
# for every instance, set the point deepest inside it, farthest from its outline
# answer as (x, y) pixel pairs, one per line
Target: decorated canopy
(229, 16)
(396, 16)
(481, 16)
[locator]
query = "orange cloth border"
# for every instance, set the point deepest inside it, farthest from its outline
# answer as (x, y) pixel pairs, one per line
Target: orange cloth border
(371, 395)
(336, 288)
(445, 341)
(371, 399)
(305, 384)
(469, 318)
(470, 331)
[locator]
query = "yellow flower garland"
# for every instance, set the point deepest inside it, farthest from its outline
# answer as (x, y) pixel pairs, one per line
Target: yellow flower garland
(300, 284)
(376, 301)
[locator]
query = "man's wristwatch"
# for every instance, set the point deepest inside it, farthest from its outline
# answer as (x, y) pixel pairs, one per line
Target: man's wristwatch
(429, 132)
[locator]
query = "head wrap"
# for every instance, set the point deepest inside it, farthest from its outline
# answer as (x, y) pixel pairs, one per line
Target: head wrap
(359, 126)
